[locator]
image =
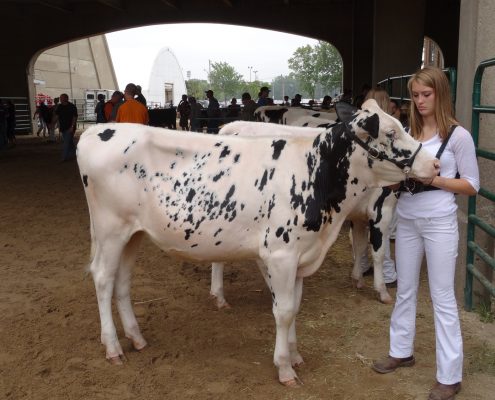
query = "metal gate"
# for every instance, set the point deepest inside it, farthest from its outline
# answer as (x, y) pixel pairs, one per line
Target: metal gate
(474, 221)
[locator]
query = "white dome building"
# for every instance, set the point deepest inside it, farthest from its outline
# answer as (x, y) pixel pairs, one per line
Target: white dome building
(166, 82)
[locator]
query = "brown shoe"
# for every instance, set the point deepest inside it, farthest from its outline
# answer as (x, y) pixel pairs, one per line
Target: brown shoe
(444, 392)
(390, 364)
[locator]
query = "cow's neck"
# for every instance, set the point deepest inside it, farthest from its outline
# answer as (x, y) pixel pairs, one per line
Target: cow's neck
(328, 164)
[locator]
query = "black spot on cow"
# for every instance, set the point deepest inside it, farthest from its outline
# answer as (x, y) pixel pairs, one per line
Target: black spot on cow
(194, 245)
(263, 181)
(286, 237)
(279, 231)
(305, 124)
(316, 115)
(218, 176)
(188, 233)
(278, 146)
(376, 236)
(217, 232)
(85, 180)
(176, 185)
(354, 181)
(271, 204)
(225, 152)
(236, 158)
(378, 206)
(218, 243)
(106, 135)
(190, 195)
(172, 166)
(272, 171)
(218, 144)
(371, 125)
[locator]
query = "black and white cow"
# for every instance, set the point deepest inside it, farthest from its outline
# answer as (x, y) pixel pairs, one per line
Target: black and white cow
(279, 201)
(372, 214)
(289, 115)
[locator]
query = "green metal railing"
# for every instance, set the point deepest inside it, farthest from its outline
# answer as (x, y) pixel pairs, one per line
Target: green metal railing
(396, 86)
(474, 220)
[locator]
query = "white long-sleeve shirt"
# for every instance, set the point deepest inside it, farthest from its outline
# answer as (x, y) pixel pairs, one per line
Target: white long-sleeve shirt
(458, 156)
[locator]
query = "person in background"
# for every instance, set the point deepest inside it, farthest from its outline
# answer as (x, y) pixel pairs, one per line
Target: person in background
(359, 100)
(43, 114)
(100, 109)
(427, 225)
(233, 109)
(263, 96)
(296, 101)
(213, 112)
(184, 110)
(393, 108)
(248, 107)
(132, 110)
(139, 96)
(286, 101)
(67, 119)
(195, 114)
(404, 114)
(112, 106)
(326, 104)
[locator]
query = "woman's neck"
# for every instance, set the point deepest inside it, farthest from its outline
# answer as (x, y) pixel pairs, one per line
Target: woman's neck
(430, 128)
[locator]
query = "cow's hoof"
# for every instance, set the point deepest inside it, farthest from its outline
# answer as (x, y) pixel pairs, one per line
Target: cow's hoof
(117, 360)
(139, 346)
(220, 302)
(386, 299)
(359, 283)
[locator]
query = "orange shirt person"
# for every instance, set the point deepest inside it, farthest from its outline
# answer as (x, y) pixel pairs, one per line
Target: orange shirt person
(132, 110)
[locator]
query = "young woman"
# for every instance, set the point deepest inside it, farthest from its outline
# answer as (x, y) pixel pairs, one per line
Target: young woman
(427, 223)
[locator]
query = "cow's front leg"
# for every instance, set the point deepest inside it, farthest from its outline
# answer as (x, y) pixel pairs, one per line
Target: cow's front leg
(282, 277)
(216, 289)
(122, 293)
(104, 268)
(295, 358)
(359, 250)
(378, 259)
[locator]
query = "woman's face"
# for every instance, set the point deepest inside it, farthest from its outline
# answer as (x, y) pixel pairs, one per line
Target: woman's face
(424, 99)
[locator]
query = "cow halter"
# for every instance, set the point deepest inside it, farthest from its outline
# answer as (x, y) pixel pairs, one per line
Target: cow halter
(405, 165)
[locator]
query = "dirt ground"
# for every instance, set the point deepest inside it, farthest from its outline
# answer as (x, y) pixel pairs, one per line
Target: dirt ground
(50, 328)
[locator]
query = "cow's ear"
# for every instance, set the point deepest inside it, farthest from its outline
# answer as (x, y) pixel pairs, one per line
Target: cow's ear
(345, 111)
(371, 124)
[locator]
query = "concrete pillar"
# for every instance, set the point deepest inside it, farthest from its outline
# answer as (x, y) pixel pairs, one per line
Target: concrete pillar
(476, 44)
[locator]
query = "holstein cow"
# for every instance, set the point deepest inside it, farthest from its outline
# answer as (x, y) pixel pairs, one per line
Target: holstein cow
(279, 201)
(288, 115)
(374, 211)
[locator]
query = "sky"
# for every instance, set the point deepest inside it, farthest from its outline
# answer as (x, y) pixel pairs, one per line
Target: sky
(134, 50)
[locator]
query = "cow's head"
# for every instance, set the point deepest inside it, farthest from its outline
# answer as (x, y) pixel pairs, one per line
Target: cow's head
(390, 152)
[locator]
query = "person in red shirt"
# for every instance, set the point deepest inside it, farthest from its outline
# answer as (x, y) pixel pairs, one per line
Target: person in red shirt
(132, 110)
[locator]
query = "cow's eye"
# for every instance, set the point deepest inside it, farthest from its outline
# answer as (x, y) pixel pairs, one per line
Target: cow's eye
(391, 134)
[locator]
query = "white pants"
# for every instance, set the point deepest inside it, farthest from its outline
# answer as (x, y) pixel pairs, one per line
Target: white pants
(438, 237)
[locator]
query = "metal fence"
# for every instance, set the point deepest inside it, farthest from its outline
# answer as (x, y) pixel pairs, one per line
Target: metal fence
(474, 220)
(23, 124)
(396, 86)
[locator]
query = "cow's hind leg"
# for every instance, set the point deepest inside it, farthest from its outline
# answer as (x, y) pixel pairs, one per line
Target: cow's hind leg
(216, 289)
(122, 292)
(104, 268)
(282, 277)
(359, 250)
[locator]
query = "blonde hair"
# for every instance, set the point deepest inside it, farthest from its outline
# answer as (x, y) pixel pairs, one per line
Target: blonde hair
(381, 96)
(434, 78)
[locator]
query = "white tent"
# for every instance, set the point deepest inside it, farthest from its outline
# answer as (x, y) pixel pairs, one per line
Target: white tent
(166, 82)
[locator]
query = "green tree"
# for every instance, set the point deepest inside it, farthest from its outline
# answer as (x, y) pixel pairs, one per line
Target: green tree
(252, 88)
(320, 65)
(196, 88)
(225, 81)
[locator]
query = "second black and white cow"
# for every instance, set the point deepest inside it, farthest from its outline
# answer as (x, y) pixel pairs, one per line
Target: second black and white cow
(292, 115)
(281, 202)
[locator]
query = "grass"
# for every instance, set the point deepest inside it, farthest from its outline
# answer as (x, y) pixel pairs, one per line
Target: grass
(481, 359)
(485, 312)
